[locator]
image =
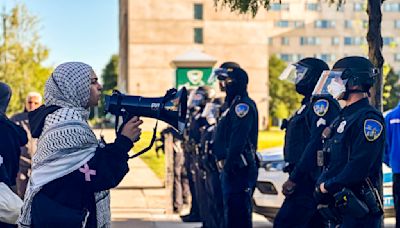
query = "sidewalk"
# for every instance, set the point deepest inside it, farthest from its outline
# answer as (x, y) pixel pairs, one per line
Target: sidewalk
(141, 201)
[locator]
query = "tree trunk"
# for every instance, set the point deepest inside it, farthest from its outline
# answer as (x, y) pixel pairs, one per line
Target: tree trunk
(375, 43)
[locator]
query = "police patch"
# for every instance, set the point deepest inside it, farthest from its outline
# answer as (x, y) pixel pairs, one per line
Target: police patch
(241, 110)
(321, 107)
(372, 129)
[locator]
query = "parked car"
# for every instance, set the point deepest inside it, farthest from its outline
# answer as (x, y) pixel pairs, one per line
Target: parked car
(268, 197)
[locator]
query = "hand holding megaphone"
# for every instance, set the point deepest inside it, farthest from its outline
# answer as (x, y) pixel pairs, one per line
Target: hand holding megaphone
(171, 108)
(131, 129)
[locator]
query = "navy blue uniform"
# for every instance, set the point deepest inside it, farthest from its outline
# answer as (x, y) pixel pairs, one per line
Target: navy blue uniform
(355, 150)
(302, 140)
(236, 137)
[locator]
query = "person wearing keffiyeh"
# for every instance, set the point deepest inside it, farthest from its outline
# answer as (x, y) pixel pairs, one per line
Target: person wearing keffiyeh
(71, 171)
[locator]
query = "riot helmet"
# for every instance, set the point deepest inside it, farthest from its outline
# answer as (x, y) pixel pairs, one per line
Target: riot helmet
(221, 73)
(198, 98)
(304, 74)
(347, 73)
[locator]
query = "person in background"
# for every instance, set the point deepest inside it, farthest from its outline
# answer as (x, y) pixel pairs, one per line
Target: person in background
(392, 155)
(33, 101)
(12, 137)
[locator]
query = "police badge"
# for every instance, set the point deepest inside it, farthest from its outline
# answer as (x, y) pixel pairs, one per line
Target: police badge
(241, 110)
(340, 129)
(372, 129)
(321, 107)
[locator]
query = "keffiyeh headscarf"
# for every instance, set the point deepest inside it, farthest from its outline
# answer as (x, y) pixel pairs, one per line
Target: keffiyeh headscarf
(67, 142)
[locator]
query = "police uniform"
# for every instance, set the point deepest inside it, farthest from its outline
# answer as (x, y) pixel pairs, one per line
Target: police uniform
(302, 141)
(238, 129)
(354, 151)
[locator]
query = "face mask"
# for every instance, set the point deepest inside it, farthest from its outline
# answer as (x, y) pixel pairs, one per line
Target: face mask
(336, 89)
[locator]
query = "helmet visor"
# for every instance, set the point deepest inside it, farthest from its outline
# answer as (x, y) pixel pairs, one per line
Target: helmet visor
(294, 73)
(210, 112)
(218, 74)
(331, 83)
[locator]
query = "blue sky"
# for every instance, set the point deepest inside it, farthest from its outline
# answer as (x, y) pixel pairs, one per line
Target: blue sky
(76, 30)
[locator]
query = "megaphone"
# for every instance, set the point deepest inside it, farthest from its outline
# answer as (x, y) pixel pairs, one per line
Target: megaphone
(171, 108)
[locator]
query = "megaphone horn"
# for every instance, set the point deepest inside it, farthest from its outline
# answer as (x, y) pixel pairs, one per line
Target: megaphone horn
(171, 108)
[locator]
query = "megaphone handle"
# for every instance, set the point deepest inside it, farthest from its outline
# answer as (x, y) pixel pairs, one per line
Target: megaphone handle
(153, 139)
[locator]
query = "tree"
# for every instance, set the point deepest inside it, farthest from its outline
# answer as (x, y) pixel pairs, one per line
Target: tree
(391, 90)
(374, 37)
(284, 99)
(109, 77)
(21, 56)
(110, 74)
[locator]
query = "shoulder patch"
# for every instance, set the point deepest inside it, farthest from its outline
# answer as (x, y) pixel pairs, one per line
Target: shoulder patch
(372, 129)
(241, 109)
(321, 107)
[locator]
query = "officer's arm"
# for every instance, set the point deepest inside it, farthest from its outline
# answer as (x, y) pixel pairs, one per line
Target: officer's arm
(388, 141)
(241, 123)
(317, 121)
(364, 153)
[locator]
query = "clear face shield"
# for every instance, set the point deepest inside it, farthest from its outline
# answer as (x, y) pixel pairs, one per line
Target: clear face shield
(211, 113)
(220, 75)
(331, 83)
(294, 73)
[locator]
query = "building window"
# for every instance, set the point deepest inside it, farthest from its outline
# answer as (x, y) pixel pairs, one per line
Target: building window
(358, 7)
(388, 41)
(198, 35)
(354, 40)
(391, 7)
(282, 24)
(304, 40)
(279, 7)
(198, 11)
(313, 6)
(270, 40)
(335, 41)
(397, 57)
(348, 24)
(397, 24)
(286, 57)
(324, 24)
(326, 57)
(299, 24)
(285, 41)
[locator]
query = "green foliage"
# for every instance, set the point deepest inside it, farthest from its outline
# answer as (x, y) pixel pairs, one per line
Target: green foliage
(252, 6)
(391, 90)
(109, 77)
(284, 99)
(21, 56)
(110, 74)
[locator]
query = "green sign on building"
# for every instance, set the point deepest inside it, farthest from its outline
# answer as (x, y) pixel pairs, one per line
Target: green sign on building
(192, 77)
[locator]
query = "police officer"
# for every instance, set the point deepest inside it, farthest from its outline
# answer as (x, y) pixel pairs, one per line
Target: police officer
(302, 140)
(353, 145)
(214, 210)
(197, 100)
(236, 138)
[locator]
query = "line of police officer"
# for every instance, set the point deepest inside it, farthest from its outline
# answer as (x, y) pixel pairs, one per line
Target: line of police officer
(333, 147)
(220, 144)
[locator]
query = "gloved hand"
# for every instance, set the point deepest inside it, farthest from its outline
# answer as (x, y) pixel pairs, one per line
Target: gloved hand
(288, 187)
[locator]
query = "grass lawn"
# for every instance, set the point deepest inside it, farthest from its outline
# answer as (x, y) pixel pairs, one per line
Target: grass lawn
(266, 139)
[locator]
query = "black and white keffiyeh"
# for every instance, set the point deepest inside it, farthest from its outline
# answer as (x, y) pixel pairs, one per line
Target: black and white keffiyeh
(66, 142)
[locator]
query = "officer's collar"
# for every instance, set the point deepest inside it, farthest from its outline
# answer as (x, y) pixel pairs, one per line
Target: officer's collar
(348, 110)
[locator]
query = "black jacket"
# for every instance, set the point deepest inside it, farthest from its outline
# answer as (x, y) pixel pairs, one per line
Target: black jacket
(76, 190)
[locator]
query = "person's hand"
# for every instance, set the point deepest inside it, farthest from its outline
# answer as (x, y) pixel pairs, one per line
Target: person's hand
(322, 188)
(131, 129)
(288, 187)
